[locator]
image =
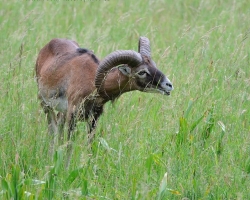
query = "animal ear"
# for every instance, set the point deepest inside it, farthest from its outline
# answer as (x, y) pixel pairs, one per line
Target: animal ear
(125, 69)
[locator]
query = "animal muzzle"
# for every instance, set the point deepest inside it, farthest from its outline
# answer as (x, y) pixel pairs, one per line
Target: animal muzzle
(165, 87)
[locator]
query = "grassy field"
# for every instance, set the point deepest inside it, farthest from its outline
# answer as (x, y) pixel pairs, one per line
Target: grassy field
(194, 144)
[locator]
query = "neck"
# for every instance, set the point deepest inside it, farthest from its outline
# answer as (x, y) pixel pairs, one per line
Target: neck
(116, 84)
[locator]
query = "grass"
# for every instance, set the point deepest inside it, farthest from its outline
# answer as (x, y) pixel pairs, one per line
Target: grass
(193, 144)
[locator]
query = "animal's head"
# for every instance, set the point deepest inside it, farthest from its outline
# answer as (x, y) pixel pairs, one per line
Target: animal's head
(138, 66)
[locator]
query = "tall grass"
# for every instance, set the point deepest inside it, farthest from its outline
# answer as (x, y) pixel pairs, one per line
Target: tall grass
(193, 144)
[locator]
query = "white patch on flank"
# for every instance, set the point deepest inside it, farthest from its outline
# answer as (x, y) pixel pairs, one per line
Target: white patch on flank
(58, 103)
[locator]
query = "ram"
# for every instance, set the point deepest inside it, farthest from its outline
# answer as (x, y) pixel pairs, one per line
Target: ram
(75, 84)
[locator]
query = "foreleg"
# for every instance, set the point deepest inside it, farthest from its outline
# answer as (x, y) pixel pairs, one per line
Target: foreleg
(92, 122)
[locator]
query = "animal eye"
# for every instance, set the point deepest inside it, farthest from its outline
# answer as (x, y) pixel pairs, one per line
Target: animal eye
(141, 73)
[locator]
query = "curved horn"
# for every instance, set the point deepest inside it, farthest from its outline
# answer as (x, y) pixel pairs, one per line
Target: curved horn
(114, 59)
(144, 46)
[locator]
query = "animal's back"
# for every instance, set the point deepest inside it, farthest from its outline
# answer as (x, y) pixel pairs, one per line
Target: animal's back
(51, 51)
(64, 70)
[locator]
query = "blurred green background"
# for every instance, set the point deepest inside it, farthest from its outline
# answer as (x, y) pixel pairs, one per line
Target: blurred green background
(198, 137)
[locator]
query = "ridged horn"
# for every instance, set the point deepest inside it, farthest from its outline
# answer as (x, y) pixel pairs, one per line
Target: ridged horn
(144, 47)
(129, 57)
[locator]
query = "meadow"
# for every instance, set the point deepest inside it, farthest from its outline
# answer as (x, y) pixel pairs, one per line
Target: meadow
(193, 144)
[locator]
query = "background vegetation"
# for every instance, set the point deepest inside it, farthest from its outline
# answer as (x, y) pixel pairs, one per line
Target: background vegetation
(194, 144)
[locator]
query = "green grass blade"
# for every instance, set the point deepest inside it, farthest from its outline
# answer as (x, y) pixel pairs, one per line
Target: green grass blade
(163, 187)
(73, 175)
(190, 105)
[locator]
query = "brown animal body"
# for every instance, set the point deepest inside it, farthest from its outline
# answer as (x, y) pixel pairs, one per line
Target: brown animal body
(72, 81)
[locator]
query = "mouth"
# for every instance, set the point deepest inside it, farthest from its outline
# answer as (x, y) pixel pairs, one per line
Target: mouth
(157, 90)
(168, 93)
(164, 92)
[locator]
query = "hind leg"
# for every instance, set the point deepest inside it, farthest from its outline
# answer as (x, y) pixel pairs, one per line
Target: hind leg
(61, 118)
(52, 125)
(71, 122)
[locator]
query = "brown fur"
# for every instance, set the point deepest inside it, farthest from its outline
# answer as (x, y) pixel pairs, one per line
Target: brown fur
(58, 62)
(60, 67)
(66, 83)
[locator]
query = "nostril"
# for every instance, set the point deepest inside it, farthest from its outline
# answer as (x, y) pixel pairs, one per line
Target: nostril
(169, 85)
